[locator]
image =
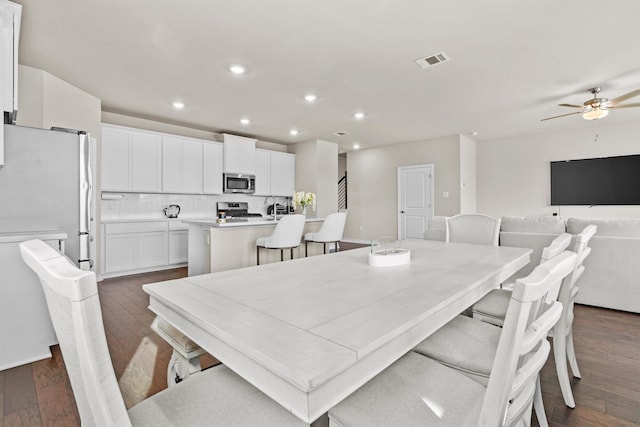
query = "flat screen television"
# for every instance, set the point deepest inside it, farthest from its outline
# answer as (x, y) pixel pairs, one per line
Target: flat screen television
(601, 181)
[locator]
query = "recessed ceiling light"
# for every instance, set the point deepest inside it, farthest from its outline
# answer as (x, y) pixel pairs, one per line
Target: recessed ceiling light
(237, 69)
(178, 105)
(474, 133)
(356, 146)
(294, 132)
(359, 115)
(245, 121)
(310, 97)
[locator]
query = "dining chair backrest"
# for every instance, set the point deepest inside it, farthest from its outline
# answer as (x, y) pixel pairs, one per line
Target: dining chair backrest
(473, 228)
(74, 307)
(332, 228)
(288, 232)
(568, 293)
(556, 247)
(523, 348)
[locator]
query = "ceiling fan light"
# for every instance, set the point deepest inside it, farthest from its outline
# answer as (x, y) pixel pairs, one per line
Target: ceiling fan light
(595, 114)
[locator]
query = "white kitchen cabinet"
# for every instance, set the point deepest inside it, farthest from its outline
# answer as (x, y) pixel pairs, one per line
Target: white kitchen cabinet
(212, 167)
(10, 14)
(121, 252)
(153, 249)
(138, 246)
(283, 174)
(178, 242)
(146, 162)
(115, 159)
(239, 154)
(182, 165)
(263, 173)
(131, 160)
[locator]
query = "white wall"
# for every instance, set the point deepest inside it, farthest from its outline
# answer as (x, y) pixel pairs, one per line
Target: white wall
(373, 183)
(514, 173)
(316, 172)
(468, 175)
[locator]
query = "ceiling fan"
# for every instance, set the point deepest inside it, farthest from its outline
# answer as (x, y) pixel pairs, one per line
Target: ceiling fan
(598, 108)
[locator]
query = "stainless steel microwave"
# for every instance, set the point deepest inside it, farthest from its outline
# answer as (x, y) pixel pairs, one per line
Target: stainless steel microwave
(239, 183)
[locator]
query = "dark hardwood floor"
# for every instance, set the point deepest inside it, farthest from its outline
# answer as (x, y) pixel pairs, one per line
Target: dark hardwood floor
(39, 394)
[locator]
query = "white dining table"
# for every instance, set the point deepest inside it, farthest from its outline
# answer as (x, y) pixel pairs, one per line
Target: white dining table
(310, 331)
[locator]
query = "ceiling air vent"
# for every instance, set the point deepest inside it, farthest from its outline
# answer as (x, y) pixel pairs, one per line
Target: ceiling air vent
(341, 133)
(430, 61)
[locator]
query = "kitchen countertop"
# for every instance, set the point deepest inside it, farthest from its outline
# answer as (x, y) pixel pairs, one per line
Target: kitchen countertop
(118, 220)
(248, 222)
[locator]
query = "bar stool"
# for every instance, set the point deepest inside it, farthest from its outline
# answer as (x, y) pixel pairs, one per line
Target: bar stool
(286, 235)
(330, 232)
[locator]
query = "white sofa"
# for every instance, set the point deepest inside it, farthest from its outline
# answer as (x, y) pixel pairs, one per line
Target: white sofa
(611, 276)
(612, 271)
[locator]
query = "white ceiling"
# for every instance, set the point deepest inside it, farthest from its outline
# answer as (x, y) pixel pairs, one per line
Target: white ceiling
(511, 63)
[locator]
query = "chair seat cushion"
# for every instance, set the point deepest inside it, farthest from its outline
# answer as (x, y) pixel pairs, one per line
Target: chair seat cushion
(261, 241)
(217, 396)
(494, 304)
(414, 391)
(464, 344)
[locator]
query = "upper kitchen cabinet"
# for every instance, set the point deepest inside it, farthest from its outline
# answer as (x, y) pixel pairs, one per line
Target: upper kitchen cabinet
(239, 154)
(275, 173)
(212, 169)
(182, 165)
(263, 173)
(283, 174)
(10, 14)
(131, 160)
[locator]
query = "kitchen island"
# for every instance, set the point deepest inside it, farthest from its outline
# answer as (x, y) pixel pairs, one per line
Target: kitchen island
(229, 245)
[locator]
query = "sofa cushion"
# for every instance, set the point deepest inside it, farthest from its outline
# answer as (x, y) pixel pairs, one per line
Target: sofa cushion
(606, 227)
(533, 224)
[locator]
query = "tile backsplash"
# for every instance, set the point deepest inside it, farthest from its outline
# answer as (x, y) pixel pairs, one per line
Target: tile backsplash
(149, 206)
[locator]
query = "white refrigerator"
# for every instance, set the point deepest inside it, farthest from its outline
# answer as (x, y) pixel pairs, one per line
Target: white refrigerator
(45, 190)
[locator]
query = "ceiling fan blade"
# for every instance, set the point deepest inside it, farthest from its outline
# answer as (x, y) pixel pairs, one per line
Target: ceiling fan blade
(562, 115)
(570, 105)
(624, 97)
(625, 106)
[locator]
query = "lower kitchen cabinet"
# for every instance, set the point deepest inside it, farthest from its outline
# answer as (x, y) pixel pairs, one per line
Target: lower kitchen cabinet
(133, 247)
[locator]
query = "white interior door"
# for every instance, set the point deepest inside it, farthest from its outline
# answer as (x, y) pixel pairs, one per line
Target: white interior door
(415, 200)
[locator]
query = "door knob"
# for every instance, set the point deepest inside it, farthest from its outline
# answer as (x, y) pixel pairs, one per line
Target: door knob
(401, 211)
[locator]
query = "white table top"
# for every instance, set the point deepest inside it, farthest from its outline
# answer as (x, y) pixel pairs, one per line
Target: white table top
(308, 332)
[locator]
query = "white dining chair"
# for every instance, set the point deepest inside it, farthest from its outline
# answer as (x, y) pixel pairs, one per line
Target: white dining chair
(417, 390)
(286, 235)
(330, 232)
(215, 396)
(473, 228)
(493, 307)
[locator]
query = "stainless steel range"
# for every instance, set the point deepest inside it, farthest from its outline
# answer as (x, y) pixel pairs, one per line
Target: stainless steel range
(236, 211)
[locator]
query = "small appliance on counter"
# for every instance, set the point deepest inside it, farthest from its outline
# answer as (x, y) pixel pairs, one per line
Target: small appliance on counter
(235, 211)
(280, 209)
(171, 211)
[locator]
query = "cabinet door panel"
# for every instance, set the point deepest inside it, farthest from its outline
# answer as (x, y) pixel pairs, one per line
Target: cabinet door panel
(115, 159)
(263, 173)
(178, 246)
(283, 174)
(212, 168)
(171, 164)
(191, 167)
(145, 162)
(152, 249)
(120, 252)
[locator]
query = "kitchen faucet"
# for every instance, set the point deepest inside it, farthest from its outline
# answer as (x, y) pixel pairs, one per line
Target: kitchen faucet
(275, 216)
